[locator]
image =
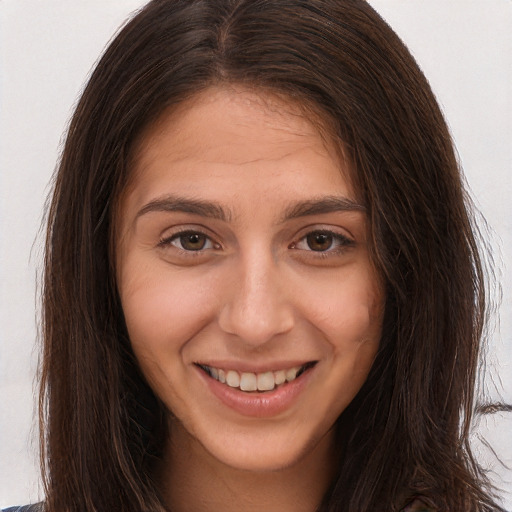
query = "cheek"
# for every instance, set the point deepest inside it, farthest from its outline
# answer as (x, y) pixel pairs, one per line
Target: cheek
(162, 309)
(349, 311)
(354, 340)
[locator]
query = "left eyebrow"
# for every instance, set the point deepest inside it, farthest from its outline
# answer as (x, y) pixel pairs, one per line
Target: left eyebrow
(328, 204)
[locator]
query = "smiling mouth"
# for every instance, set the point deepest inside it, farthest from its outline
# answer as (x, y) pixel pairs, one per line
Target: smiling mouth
(256, 382)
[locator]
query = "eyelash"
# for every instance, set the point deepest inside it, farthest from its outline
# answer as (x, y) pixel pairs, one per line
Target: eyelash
(189, 252)
(339, 241)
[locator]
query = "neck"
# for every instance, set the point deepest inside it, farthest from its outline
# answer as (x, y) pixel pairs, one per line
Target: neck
(192, 479)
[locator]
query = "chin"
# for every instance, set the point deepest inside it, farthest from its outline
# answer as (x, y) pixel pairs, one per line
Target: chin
(267, 452)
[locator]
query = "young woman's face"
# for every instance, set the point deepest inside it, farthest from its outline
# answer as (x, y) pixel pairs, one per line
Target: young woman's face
(243, 269)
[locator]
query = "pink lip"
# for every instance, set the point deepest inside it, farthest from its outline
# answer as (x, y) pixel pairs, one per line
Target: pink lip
(260, 405)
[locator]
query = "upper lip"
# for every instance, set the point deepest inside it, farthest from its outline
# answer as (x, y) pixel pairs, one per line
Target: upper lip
(252, 367)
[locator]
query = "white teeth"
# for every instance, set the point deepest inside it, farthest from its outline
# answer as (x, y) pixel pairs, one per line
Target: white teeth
(266, 381)
(232, 379)
(291, 374)
(280, 377)
(249, 382)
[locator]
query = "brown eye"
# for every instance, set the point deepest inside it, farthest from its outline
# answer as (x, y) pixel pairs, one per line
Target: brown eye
(319, 241)
(193, 241)
(324, 242)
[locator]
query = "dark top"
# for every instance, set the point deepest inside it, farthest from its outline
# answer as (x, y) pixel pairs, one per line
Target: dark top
(26, 508)
(415, 506)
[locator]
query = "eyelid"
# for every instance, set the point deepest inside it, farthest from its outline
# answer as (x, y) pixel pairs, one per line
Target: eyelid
(344, 241)
(166, 239)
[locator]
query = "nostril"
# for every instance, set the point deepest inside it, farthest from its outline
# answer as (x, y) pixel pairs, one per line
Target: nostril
(256, 325)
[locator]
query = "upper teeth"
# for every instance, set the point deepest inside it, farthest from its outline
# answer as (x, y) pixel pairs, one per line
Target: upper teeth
(248, 381)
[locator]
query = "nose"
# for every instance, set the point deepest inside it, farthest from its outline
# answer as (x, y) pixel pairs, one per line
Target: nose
(256, 307)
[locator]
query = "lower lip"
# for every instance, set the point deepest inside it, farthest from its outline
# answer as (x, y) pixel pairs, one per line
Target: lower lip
(259, 405)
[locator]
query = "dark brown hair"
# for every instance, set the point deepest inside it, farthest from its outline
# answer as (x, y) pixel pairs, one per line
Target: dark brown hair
(406, 433)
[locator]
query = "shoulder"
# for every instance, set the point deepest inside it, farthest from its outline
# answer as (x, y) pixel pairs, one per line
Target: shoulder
(38, 507)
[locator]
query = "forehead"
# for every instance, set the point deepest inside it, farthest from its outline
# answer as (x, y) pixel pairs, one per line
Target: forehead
(236, 125)
(248, 151)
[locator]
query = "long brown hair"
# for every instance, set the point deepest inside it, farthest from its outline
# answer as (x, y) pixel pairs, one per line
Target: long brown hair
(406, 433)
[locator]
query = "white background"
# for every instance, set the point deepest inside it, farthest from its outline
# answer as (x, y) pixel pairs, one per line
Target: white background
(47, 50)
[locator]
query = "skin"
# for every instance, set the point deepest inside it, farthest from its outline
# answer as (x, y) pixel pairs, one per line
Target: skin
(256, 294)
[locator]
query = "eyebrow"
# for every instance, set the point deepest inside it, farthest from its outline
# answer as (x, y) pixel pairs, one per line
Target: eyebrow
(325, 204)
(181, 204)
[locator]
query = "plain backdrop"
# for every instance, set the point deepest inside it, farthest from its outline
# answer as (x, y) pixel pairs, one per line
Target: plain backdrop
(47, 51)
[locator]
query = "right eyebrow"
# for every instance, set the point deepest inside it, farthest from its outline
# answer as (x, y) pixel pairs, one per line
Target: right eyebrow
(171, 203)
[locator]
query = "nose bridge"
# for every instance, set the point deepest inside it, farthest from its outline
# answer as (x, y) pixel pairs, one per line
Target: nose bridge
(256, 307)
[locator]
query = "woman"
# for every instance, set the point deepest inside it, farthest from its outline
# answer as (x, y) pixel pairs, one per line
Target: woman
(262, 287)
